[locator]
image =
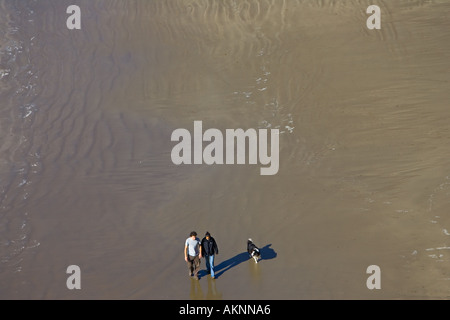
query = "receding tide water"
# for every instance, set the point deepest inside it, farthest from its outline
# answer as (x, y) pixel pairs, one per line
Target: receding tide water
(86, 176)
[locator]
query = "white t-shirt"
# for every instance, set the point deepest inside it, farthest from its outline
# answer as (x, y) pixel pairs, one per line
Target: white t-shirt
(193, 246)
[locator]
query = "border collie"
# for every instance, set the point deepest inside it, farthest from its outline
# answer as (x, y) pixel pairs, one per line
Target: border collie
(253, 250)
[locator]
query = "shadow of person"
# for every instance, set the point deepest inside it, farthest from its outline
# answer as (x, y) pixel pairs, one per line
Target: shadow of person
(202, 273)
(230, 263)
(267, 253)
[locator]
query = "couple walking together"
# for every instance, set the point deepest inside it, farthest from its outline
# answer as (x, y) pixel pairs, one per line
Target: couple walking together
(195, 249)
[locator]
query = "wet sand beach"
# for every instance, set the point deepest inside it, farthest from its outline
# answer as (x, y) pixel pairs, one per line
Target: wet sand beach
(86, 176)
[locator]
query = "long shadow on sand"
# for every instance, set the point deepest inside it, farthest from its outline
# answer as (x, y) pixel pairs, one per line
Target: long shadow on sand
(267, 253)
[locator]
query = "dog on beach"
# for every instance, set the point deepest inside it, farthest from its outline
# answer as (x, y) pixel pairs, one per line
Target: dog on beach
(253, 250)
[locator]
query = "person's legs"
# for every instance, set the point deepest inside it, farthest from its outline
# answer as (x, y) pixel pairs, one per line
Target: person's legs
(211, 264)
(190, 265)
(208, 266)
(196, 261)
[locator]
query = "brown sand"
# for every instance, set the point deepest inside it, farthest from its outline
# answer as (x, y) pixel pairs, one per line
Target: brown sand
(364, 166)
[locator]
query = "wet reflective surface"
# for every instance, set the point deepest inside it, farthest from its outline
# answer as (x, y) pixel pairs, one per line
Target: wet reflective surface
(86, 176)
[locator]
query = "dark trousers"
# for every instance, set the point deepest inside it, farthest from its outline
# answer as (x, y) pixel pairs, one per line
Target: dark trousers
(193, 265)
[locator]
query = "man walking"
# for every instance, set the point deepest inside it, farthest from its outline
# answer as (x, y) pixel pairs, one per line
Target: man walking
(209, 249)
(193, 254)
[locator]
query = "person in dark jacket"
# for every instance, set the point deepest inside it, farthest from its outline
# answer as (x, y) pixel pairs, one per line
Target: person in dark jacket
(209, 249)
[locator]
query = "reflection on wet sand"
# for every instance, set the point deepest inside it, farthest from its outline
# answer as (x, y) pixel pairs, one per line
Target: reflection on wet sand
(196, 292)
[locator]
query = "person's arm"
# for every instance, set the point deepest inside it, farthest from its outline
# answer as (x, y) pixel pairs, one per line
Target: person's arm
(201, 246)
(216, 248)
(185, 253)
(200, 251)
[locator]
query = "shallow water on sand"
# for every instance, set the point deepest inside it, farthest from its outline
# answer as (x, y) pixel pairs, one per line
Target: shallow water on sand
(86, 176)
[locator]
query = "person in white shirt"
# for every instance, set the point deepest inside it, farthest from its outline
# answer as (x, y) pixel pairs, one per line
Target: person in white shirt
(193, 254)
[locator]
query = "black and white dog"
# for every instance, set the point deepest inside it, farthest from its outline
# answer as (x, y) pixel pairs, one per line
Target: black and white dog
(253, 250)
